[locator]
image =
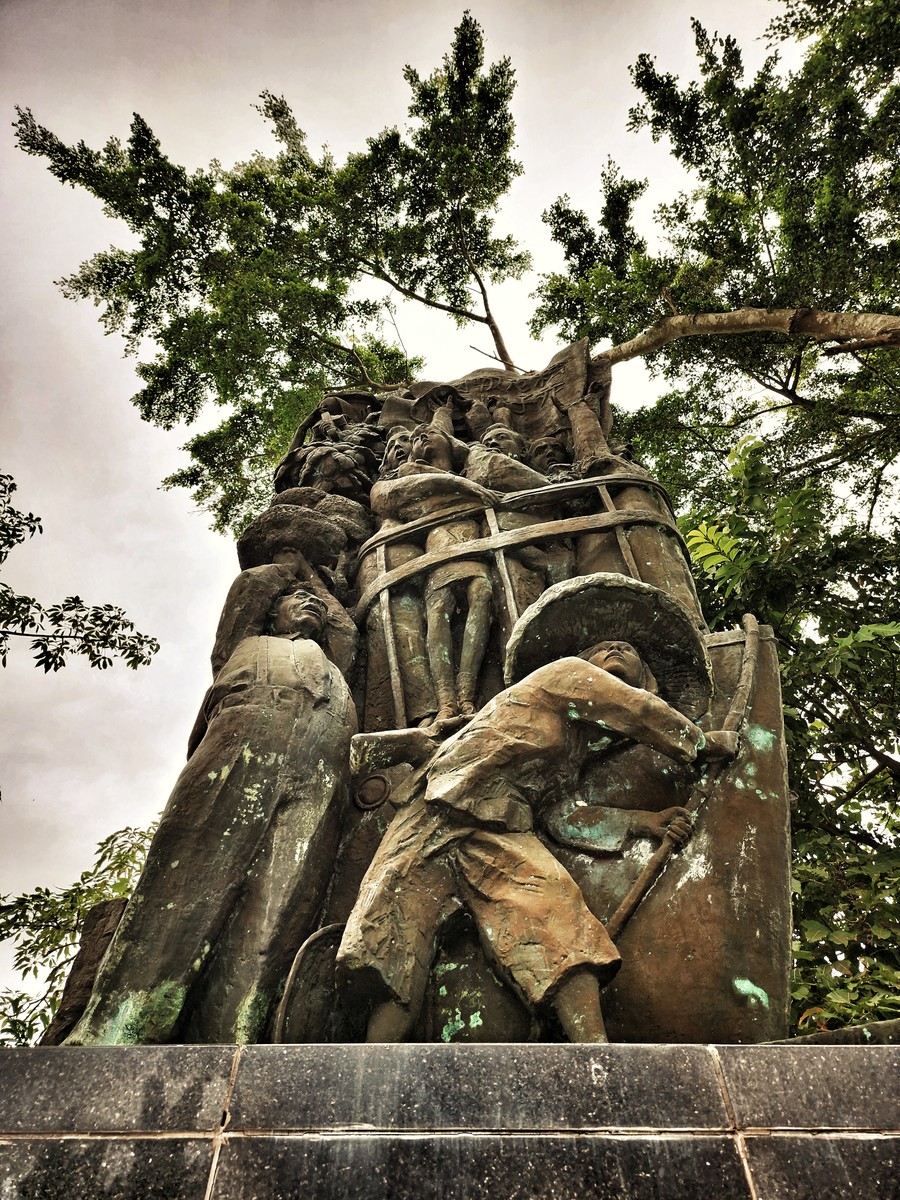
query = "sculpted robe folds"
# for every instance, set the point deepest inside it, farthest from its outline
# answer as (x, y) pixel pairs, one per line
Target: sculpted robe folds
(238, 867)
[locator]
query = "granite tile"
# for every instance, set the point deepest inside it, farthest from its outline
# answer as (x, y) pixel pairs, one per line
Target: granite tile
(830, 1167)
(111, 1168)
(813, 1087)
(533, 1087)
(113, 1089)
(466, 1167)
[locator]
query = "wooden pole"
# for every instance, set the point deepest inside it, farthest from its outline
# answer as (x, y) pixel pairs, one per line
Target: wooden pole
(735, 718)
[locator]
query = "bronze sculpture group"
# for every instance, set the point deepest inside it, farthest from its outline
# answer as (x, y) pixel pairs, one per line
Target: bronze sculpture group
(540, 706)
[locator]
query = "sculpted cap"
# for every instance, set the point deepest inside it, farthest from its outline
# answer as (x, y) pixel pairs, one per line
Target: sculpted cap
(317, 537)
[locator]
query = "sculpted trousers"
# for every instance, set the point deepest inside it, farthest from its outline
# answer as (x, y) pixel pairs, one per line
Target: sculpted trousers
(531, 917)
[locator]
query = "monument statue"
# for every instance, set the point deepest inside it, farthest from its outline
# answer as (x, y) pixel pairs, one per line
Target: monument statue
(467, 835)
(562, 781)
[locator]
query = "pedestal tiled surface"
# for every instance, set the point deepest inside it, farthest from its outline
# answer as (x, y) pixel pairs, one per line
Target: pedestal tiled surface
(501, 1122)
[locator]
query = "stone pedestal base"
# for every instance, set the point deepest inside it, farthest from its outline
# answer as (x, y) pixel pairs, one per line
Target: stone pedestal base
(423, 1121)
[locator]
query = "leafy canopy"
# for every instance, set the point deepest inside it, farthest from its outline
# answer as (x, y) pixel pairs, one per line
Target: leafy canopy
(98, 633)
(243, 278)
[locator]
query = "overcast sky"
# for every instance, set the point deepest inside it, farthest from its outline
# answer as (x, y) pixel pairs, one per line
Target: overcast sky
(85, 752)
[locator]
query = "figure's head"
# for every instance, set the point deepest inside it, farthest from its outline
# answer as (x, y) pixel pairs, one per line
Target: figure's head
(429, 444)
(622, 660)
(548, 452)
(295, 614)
(648, 637)
(506, 440)
(397, 450)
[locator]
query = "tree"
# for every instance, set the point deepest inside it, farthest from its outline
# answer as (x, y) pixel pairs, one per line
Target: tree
(99, 632)
(242, 277)
(45, 925)
(789, 239)
(765, 300)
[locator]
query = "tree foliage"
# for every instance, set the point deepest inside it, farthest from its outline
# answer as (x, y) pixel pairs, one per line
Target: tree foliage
(245, 279)
(826, 584)
(98, 632)
(44, 926)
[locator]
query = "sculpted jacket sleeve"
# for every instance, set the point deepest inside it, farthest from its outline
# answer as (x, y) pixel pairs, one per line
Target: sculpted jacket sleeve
(595, 696)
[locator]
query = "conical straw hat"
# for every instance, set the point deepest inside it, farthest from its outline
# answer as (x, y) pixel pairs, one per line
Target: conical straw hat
(574, 615)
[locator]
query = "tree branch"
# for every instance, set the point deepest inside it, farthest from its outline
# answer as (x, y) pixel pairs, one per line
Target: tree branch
(354, 354)
(821, 462)
(762, 412)
(37, 634)
(885, 760)
(864, 782)
(885, 339)
(876, 492)
(858, 836)
(795, 322)
(782, 388)
(377, 272)
(499, 343)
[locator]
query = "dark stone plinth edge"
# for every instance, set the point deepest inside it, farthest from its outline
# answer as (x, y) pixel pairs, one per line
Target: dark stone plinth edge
(796, 1141)
(630, 1133)
(220, 1134)
(740, 1144)
(872, 1033)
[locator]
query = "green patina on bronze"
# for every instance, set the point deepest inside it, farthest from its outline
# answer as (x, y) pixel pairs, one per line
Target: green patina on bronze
(251, 1016)
(760, 738)
(453, 1026)
(755, 995)
(144, 1017)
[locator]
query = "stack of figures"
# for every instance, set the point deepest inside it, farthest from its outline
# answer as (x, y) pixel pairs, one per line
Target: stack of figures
(471, 766)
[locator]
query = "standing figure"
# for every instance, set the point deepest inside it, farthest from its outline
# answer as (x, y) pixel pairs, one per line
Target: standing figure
(238, 867)
(399, 687)
(427, 486)
(498, 462)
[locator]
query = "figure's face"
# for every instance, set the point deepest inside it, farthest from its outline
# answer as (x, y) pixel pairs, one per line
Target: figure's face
(507, 441)
(429, 445)
(299, 615)
(619, 659)
(548, 453)
(397, 450)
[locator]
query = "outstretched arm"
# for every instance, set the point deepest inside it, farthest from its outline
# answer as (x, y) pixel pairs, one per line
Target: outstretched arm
(593, 695)
(596, 829)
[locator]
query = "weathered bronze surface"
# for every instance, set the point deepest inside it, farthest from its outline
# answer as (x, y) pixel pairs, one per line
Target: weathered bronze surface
(560, 771)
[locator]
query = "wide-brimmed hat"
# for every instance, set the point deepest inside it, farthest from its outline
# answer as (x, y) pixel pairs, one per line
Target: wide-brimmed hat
(317, 537)
(578, 613)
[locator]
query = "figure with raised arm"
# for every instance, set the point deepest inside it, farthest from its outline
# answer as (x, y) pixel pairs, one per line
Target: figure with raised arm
(466, 838)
